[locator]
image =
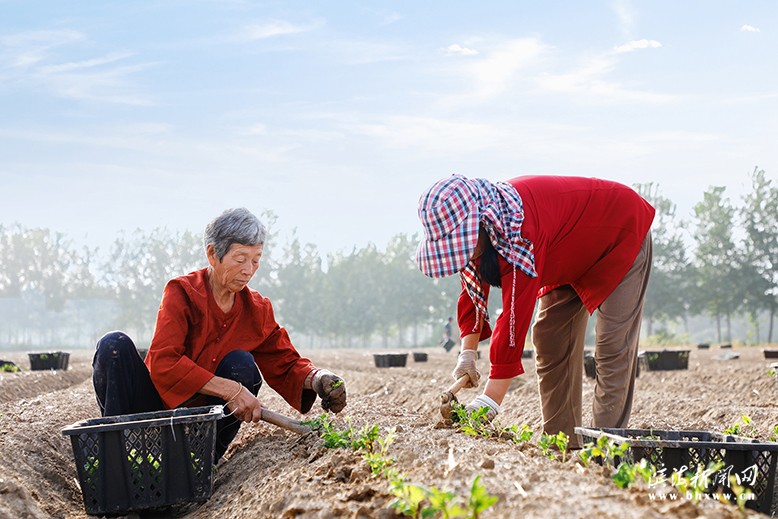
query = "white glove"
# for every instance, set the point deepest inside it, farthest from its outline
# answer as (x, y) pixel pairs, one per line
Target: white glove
(484, 401)
(466, 365)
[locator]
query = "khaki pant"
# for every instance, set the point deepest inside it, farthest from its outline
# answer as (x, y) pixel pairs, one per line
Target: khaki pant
(558, 336)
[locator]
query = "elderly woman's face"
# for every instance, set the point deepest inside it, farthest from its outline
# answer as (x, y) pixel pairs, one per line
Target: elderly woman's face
(237, 267)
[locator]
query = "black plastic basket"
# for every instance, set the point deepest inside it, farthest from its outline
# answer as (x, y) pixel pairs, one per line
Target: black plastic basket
(6, 366)
(49, 360)
(751, 460)
(419, 356)
(590, 365)
(770, 354)
(145, 460)
(665, 360)
(390, 360)
(703, 346)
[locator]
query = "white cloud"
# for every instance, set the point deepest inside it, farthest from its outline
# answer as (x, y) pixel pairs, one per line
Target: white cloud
(457, 49)
(25, 49)
(390, 18)
(638, 44)
(493, 73)
(625, 14)
(31, 63)
(749, 28)
(589, 80)
(261, 31)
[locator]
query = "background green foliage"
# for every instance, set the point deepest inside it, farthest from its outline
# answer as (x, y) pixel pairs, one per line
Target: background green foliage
(720, 264)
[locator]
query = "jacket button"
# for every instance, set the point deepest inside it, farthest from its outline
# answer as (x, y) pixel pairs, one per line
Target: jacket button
(213, 359)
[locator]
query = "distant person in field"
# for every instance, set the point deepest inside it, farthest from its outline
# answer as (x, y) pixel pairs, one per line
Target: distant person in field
(447, 340)
(577, 245)
(214, 342)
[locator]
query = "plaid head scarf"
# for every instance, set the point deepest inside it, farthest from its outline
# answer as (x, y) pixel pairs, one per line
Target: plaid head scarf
(451, 212)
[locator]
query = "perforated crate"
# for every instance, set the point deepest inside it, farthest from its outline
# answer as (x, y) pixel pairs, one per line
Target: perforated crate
(49, 360)
(665, 360)
(145, 460)
(390, 360)
(749, 459)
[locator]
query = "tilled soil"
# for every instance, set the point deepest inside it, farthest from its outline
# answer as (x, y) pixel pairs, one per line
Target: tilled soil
(270, 472)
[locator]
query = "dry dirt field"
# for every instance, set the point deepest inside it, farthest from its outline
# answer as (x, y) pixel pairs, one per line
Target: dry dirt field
(273, 473)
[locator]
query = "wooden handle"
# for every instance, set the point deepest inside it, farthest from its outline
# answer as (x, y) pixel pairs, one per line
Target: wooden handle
(284, 421)
(459, 384)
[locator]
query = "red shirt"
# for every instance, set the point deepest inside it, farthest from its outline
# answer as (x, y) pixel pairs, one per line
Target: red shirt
(586, 233)
(193, 335)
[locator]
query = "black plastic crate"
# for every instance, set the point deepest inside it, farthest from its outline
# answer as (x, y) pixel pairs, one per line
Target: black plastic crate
(590, 365)
(746, 458)
(145, 460)
(419, 356)
(49, 360)
(6, 366)
(665, 360)
(770, 354)
(390, 360)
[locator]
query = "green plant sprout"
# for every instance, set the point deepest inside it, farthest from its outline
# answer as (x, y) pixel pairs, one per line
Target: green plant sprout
(479, 500)
(517, 434)
(9, 368)
(410, 499)
(742, 427)
(740, 493)
(336, 384)
(473, 423)
(774, 436)
(605, 449)
(559, 440)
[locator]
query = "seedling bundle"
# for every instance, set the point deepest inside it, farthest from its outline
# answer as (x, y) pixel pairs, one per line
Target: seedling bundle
(752, 461)
(145, 460)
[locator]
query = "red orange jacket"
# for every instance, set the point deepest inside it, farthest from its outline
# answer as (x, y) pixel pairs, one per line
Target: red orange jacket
(586, 232)
(193, 334)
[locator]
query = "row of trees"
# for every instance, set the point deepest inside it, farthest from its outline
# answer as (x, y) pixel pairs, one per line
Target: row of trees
(721, 263)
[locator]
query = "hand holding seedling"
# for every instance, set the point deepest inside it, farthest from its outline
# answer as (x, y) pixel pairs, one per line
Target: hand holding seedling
(245, 406)
(331, 389)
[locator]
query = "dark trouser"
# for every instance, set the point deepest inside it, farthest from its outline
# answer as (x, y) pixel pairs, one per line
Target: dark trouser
(123, 384)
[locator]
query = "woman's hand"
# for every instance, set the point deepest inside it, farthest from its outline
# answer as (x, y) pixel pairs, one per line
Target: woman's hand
(331, 389)
(244, 406)
(466, 366)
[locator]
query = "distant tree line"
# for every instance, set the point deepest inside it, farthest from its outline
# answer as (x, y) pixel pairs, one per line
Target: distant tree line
(721, 263)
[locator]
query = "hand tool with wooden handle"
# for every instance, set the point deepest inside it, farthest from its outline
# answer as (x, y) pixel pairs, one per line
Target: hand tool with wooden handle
(284, 421)
(448, 398)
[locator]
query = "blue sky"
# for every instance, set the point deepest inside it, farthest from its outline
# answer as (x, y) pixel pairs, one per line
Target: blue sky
(337, 115)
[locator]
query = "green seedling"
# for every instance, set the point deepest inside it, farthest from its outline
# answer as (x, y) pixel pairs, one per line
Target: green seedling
(472, 423)
(741, 494)
(447, 503)
(336, 384)
(604, 449)
(9, 368)
(479, 500)
(517, 434)
(742, 427)
(774, 436)
(410, 499)
(559, 441)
